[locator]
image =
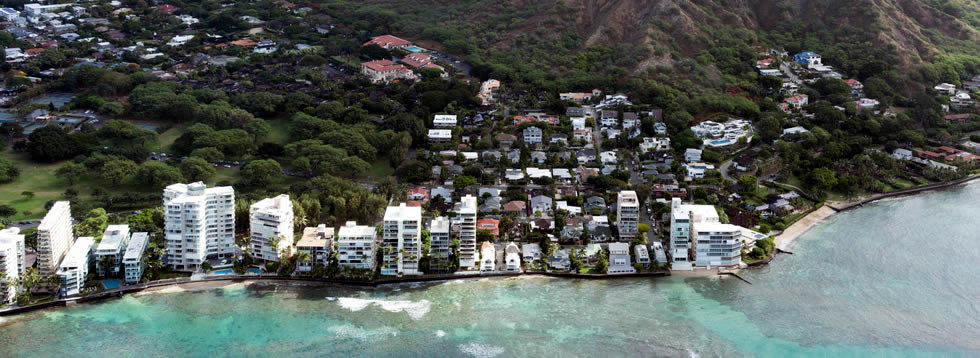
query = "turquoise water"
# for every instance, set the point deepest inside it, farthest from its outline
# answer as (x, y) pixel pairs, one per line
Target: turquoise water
(229, 271)
(110, 284)
(895, 279)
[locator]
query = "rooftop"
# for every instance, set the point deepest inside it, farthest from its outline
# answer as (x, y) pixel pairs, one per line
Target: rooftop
(136, 244)
(113, 238)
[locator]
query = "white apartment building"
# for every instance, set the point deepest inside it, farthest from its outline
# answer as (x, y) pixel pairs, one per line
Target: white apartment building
(199, 224)
(717, 244)
(271, 218)
(114, 240)
(439, 240)
(12, 262)
(466, 214)
(356, 246)
(316, 242)
(488, 257)
(628, 214)
(697, 237)
(133, 257)
(74, 269)
(54, 238)
(402, 240)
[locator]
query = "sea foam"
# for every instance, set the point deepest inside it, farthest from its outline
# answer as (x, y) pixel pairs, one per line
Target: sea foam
(415, 309)
(481, 350)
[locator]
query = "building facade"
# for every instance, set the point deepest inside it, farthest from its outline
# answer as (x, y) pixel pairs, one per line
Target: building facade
(466, 213)
(402, 240)
(271, 222)
(132, 260)
(628, 214)
(74, 268)
(356, 246)
(12, 262)
(698, 238)
(199, 224)
(109, 253)
(439, 241)
(317, 242)
(54, 238)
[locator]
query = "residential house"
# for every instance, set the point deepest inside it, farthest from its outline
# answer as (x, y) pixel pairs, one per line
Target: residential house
(531, 253)
(642, 255)
(512, 257)
(514, 174)
(560, 260)
(445, 193)
(491, 225)
(697, 169)
(488, 257)
(692, 155)
(595, 204)
(619, 259)
(532, 135)
(505, 140)
(542, 204)
(516, 206)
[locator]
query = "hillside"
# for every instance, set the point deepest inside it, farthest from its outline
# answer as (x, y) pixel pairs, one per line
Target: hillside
(851, 34)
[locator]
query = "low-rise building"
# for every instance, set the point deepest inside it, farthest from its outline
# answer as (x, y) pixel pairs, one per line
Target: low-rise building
(74, 268)
(512, 256)
(642, 255)
(132, 260)
(532, 135)
(316, 243)
(619, 259)
(386, 71)
(440, 135)
(531, 253)
(444, 120)
(488, 257)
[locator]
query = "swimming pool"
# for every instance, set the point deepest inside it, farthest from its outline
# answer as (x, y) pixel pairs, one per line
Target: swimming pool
(111, 284)
(415, 49)
(229, 271)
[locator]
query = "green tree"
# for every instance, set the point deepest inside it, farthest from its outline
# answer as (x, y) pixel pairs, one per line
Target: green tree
(8, 171)
(158, 174)
(117, 171)
(209, 154)
(7, 211)
(822, 179)
(262, 172)
(196, 169)
(28, 195)
(748, 183)
(93, 224)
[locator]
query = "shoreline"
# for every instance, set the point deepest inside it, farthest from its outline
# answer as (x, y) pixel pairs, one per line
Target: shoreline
(784, 240)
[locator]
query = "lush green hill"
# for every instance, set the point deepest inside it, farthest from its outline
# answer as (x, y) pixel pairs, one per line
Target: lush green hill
(569, 43)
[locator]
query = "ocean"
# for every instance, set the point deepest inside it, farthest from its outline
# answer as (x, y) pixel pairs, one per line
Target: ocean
(898, 278)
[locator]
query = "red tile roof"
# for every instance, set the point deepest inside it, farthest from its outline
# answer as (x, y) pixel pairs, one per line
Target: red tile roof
(167, 8)
(385, 66)
(492, 225)
(417, 60)
(387, 41)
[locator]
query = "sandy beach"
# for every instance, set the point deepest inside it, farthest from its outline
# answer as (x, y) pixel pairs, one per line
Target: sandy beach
(786, 238)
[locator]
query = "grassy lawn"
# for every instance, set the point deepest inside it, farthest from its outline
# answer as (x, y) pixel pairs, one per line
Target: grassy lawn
(36, 177)
(280, 131)
(167, 138)
(224, 174)
(380, 169)
(903, 184)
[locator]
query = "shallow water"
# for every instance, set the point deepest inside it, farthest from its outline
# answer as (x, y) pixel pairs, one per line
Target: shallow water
(898, 278)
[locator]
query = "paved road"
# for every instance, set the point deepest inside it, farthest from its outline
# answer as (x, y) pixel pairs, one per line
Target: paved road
(723, 169)
(789, 73)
